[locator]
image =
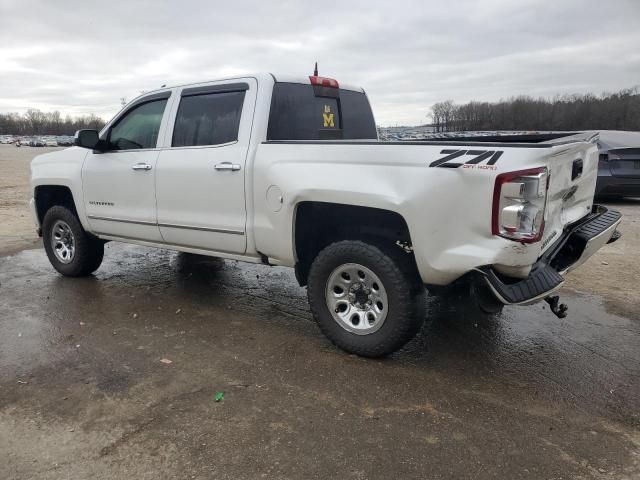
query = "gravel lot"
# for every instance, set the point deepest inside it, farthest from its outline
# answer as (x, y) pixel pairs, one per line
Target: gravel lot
(84, 391)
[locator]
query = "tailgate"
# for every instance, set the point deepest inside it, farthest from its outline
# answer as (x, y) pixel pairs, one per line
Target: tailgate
(573, 170)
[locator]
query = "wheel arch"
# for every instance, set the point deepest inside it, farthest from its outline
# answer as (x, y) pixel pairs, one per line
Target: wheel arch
(317, 224)
(47, 196)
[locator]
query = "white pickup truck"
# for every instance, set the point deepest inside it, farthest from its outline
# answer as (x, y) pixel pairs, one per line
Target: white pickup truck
(289, 171)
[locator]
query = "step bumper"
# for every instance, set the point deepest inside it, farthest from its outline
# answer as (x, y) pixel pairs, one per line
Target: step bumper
(576, 245)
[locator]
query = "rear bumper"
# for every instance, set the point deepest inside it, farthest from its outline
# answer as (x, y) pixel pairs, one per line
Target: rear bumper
(577, 244)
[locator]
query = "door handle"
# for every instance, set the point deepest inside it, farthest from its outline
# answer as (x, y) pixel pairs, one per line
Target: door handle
(141, 166)
(234, 167)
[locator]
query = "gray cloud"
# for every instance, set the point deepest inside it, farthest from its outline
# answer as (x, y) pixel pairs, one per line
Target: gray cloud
(81, 57)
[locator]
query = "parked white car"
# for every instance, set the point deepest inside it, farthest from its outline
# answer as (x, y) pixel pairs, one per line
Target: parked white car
(289, 171)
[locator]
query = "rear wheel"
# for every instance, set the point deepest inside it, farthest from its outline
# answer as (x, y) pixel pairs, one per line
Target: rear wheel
(365, 299)
(72, 251)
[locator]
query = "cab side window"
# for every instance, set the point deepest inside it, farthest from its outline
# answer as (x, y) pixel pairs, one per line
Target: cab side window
(208, 119)
(139, 127)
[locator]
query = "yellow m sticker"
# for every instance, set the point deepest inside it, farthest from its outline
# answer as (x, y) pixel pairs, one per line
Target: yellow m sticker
(328, 119)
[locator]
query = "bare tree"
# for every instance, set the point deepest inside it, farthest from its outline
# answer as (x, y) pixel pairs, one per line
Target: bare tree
(615, 111)
(35, 122)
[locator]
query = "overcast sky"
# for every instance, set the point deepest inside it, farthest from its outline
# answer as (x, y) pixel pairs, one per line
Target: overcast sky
(82, 57)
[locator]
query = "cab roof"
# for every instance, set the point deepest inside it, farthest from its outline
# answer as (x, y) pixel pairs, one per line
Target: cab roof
(306, 81)
(261, 77)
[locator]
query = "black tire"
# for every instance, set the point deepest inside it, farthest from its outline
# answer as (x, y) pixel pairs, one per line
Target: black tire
(405, 296)
(89, 250)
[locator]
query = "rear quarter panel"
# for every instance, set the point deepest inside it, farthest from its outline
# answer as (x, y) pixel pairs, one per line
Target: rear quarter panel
(447, 210)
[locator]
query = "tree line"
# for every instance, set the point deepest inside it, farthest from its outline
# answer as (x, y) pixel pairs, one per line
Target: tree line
(609, 111)
(36, 122)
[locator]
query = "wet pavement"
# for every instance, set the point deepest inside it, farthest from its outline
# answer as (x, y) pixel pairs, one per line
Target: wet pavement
(84, 393)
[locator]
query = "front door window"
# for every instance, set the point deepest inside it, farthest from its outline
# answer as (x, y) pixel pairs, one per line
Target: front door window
(138, 128)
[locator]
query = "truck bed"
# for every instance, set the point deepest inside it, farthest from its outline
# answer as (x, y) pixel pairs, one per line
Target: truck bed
(534, 140)
(445, 179)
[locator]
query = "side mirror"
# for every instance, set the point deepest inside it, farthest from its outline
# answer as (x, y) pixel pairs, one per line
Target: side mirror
(87, 139)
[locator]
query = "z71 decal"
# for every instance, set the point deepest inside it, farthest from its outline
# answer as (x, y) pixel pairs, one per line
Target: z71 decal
(478, 156)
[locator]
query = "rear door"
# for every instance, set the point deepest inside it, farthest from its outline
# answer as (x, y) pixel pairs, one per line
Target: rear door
(200, 184)
(119, 184)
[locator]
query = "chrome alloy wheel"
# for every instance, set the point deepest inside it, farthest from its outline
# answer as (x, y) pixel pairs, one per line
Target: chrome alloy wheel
(62, 242)
(356, 298)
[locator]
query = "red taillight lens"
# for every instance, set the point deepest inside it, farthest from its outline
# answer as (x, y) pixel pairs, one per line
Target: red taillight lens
(519, 201)
(323, 81)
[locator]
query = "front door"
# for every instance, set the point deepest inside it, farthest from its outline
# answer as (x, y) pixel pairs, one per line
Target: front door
(200, 184)
(119, 184)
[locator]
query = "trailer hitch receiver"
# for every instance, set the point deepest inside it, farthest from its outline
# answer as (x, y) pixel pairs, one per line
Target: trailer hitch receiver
(559, 309)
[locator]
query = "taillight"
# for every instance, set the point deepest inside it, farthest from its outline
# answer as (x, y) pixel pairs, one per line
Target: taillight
(519, 200)
(323, 81)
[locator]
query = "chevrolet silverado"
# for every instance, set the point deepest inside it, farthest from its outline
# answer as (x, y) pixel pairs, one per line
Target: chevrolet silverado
(289, 171)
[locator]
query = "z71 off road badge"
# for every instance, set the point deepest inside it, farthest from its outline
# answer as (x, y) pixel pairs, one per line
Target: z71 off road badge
(478, 156)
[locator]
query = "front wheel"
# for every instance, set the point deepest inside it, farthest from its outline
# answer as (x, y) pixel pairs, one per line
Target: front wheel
(366, 300)
(72, 251)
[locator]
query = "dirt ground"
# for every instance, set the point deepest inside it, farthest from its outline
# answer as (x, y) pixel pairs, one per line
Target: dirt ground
(17, 231)
(116, 375)
(614, 272)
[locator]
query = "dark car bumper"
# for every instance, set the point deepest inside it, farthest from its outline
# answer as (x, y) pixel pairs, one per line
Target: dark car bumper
(577, 244)
(609, 185)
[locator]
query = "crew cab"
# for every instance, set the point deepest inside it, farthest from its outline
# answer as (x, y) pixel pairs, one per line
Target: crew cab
(289, 171)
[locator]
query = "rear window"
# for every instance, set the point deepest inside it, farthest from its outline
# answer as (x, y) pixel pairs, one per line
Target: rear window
(298, 114)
